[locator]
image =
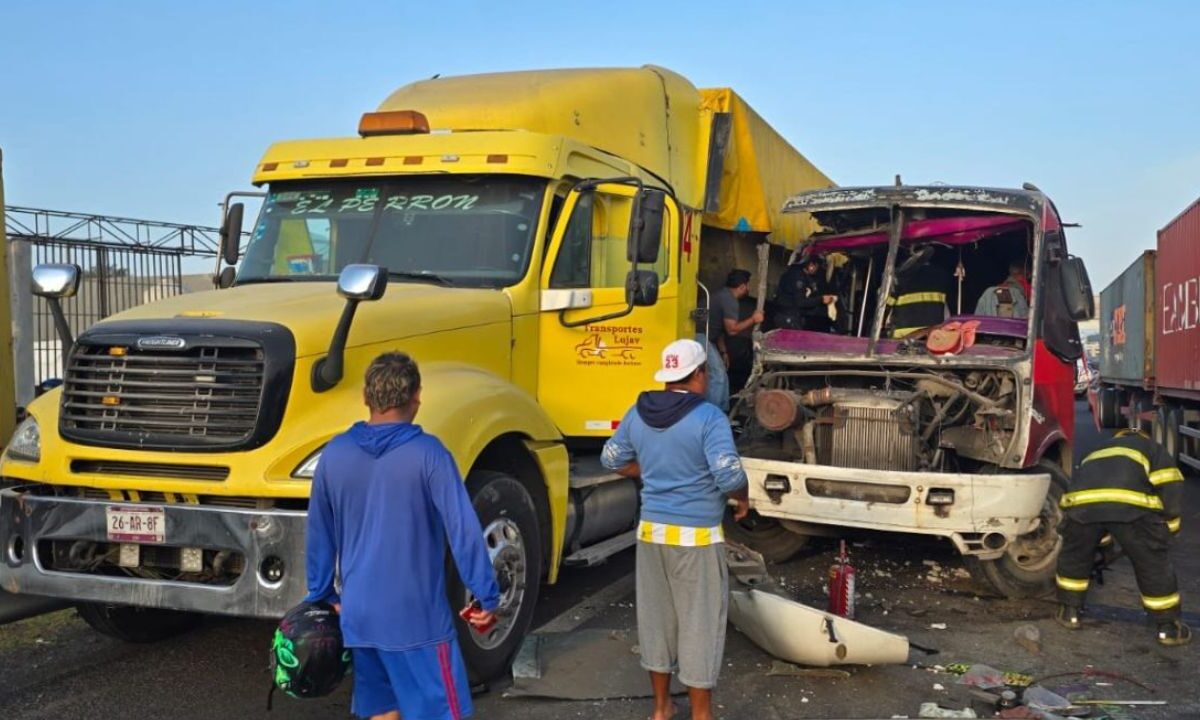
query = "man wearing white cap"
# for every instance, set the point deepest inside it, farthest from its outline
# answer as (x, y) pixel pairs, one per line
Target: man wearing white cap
(682, 448)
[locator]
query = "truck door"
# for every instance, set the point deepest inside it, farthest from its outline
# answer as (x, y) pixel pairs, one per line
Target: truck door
(596, 351)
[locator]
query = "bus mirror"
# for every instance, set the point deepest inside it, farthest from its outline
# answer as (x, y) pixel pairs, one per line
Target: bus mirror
(641, 288)
(1077, 289)
(231, 234)
(646, 225)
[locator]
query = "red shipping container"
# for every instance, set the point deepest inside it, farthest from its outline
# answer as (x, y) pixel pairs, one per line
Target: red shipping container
(1177, 351)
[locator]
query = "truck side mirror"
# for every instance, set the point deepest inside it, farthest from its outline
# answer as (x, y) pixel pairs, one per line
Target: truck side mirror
(231, 234)
(1077, 289)
(356, 283)
(641, 288)
(55, 282)
(645, 226)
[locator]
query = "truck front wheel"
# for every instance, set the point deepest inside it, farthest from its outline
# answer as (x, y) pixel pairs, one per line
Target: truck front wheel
(136, 624)
(764, 535)
(1026, 569)
(510, 530)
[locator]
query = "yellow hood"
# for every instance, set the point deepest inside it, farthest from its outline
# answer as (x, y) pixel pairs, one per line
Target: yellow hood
(311, 311)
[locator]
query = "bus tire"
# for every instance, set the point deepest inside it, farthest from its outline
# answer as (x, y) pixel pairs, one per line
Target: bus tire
(1027, 567)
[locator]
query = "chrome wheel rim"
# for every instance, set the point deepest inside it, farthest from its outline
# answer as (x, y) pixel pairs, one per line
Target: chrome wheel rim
(506, 549)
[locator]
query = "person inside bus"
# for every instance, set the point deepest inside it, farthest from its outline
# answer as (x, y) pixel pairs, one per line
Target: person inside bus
(1009, 299)
(919, 297)
(803, 299)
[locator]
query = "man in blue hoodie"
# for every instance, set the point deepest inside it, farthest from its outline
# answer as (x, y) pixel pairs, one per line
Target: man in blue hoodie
(386, 499)
(682, 448)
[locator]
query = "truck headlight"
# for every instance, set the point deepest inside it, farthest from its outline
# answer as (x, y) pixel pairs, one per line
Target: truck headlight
(307, 469)
(26, 443)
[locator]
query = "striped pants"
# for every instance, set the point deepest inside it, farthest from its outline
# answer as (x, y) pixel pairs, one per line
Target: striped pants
(1144, 540)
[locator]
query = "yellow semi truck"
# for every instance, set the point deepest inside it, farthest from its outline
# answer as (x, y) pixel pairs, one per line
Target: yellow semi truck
(532, 238)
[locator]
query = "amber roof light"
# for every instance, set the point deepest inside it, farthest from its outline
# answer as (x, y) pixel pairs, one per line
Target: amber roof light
(393, 122)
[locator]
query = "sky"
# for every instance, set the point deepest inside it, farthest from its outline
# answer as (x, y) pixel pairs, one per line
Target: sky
(157, 109)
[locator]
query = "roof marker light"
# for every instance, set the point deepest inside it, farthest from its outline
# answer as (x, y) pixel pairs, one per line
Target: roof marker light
(393, 122)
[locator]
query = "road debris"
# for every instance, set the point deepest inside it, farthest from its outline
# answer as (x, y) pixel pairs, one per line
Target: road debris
(937, 626)
(780, 668)
(933, 710)
(1029, 637)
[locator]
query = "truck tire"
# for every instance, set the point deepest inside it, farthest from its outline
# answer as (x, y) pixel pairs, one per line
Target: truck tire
(765, 536)
(510, 528)
(1137, 406)
(1026, 570)
(1172, 438)
(137, 624)
(1109, 408)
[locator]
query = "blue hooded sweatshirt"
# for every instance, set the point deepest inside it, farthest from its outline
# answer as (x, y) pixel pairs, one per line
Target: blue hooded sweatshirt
(685, 449)
(386, 499)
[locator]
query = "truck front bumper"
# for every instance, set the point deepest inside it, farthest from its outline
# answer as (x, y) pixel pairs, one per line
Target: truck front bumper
(980, 514)
(30, 523)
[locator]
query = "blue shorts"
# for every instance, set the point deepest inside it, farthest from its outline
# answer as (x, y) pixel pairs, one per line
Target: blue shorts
(427, 683)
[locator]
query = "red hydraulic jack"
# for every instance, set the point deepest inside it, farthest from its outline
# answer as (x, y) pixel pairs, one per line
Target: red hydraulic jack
(841, 585)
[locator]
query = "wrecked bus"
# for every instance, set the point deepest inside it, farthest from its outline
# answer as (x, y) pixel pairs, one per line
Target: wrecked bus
(533, 239)
(869, 427)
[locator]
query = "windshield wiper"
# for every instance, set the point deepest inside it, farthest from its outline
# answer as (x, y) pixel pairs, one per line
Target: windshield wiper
(421, 276)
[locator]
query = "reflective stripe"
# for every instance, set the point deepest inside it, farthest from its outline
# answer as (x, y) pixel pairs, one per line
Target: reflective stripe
(1113, 495)
(1162, 477)
(1166, 602)
(1127, 453)
(679, 535)
(901, 332)
(922, 297)
(1174, 524)
(1071, 584)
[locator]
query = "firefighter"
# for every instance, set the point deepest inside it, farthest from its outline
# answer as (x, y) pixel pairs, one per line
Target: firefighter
(803, 296)
(1130, 489)
(919, 300)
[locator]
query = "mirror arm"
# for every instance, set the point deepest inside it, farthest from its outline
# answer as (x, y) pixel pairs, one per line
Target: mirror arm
(64, 329)
(328, 371)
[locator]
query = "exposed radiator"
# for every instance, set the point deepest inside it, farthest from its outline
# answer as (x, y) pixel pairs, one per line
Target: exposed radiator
(871, 434)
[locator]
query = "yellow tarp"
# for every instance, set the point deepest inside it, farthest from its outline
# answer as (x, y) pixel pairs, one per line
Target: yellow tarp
(761, 170)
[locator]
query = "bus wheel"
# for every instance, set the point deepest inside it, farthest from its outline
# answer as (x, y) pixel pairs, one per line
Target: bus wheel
(765, 536)
(1026, 569)
(510, 530)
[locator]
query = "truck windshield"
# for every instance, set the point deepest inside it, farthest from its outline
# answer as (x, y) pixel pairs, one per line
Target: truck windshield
(462, 230)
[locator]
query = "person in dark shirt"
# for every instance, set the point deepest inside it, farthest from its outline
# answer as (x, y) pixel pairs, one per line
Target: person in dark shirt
(803, 298)
(1130, 490)
(724, 322)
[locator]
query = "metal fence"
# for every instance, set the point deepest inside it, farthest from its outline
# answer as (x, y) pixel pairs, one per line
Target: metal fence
(125, 262)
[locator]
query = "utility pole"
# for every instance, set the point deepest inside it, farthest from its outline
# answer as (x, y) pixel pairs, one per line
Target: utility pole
(8, 405)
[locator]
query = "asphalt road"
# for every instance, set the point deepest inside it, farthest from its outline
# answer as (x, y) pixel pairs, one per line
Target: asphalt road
(55, 667)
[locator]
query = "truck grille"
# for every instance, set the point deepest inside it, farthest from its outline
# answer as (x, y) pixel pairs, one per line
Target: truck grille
(203, 393)
(870, 436)
(206, 386)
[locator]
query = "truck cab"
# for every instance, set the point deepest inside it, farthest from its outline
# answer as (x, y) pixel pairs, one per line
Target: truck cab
(532, 239)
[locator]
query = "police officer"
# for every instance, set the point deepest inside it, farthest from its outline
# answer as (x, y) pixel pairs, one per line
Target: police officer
(1130, 489)
(803, 297)
(919, 299)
